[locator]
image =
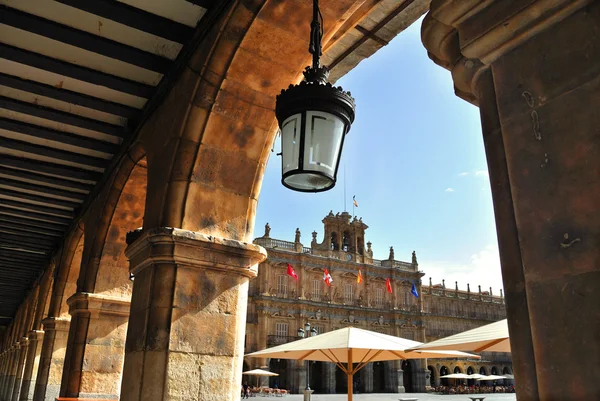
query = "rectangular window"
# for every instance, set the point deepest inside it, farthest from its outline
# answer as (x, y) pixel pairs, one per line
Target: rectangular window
(317, 285)
(349, 293)
(282, 285)
(379, 297)
(320, 329)
(281, 329)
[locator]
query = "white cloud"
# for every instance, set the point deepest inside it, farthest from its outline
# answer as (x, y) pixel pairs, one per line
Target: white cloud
(449, 190)
(463, 174)
(481, 173)
(483, 269)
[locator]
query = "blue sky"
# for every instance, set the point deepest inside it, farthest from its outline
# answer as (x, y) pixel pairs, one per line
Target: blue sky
(415, 160)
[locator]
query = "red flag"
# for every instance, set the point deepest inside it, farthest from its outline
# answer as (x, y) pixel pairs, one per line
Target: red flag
(291, 272)
(327, 278)
(359, 279)
(388, 285)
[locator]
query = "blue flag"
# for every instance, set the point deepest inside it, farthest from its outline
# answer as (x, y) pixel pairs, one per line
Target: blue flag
(414, 291)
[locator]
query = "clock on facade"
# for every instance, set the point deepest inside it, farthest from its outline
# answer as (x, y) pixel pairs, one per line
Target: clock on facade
(348, 257)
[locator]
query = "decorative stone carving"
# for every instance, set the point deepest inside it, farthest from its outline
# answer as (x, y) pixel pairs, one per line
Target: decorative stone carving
(391, 257)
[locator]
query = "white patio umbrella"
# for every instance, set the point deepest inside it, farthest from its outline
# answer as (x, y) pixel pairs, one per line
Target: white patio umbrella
(348, 346)
(475, 376)
(491, 337)
(456, 376)
(259, 372)
(491, 377)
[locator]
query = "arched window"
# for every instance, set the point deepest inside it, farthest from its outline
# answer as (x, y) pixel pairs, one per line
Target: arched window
(334, 242)
(346, 241)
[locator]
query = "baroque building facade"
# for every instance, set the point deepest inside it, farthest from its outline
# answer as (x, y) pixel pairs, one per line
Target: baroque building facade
(279, 305)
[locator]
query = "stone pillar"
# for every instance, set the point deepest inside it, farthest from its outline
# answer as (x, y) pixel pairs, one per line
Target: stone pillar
(185, 338)
(4, 369)
(54, 345)
(533, 68)
(34, 350)
(12, 372)
(393, 377)
(329, 378)
(9, 353)
(96, 346)
(366, 378)
(23, 345)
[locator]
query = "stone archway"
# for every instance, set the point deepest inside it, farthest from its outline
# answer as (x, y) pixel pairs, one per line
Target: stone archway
(100, 307)
(57, 322)
(443, 372)
(408, 373)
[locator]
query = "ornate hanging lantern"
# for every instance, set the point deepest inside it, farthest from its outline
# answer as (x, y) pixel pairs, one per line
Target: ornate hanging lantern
(314, 117)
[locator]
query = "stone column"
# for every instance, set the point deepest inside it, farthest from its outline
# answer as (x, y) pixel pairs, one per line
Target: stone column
(23, 345)
(47, 385)
(185, 338)
(301, 374)
(31, 364)
(12, 372)
(8, 355)
(366, 378)
(3, 369)
(329, 377)
(94, 357)
(533, 68)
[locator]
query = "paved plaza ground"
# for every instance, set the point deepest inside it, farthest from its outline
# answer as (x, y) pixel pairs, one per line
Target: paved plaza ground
(395, 397)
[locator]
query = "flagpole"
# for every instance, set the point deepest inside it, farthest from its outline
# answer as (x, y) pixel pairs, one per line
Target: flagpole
(344, 187)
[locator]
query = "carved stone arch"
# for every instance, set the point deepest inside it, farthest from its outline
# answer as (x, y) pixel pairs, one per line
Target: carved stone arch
(100, 307)
(126, 194)
(66, 272)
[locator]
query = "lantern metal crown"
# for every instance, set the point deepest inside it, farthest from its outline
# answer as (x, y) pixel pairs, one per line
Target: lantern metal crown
(314, 117)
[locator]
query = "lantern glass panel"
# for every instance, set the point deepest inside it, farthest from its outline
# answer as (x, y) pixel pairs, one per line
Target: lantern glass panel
(323, 140)
(290, 142)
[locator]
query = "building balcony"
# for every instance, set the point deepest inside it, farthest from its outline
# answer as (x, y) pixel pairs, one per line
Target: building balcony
(273, 340)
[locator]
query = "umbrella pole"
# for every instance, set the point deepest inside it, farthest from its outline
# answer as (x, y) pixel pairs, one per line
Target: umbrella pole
(350, 373)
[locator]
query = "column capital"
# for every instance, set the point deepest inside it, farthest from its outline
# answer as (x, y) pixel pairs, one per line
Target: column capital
(467, 36)
(185, 248)
(34, 335)
(56, 324)
(85, 302)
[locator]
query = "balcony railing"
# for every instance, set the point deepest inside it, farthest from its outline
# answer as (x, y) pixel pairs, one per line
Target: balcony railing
(278, 340)
(275, 243)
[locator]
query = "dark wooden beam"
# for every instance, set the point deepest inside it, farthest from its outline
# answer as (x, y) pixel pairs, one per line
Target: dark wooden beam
(20, 226)
(7, 239)
(371, 35)
(83, 40)
(62, 117)
(38, 198)
(60, 170)
(57, 136)
(16, 261)
(42, 189)
(135, 18)
(34, 223)
(75, 71)
(27, 237)
(373, 31)
(68, 96)
(23, 256)
(51, 211)
(58, 154)
(34, 216)
(47, 179)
